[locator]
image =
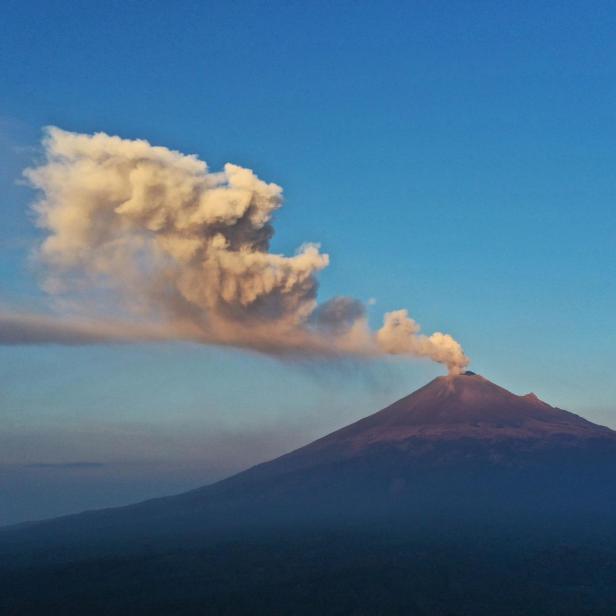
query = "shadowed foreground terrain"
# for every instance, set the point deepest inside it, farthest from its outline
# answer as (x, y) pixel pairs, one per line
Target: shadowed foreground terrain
(332, 573)
(460, 499)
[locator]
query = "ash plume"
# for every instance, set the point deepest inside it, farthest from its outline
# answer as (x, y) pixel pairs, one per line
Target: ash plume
(153, 235)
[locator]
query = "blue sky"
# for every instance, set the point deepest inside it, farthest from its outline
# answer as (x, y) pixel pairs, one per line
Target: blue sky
(453, 158)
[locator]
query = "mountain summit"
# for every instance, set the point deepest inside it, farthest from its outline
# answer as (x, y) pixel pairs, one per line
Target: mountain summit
(456, 417)
(467, 405)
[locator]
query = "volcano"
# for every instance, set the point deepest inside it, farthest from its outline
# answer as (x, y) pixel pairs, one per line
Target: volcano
(461, 461)
(451, 410)
(460, 443)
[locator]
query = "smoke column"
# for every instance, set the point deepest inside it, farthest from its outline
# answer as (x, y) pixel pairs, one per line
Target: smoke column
(154, 235)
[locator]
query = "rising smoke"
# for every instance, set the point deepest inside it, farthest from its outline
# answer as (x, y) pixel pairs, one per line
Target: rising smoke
(186, 251)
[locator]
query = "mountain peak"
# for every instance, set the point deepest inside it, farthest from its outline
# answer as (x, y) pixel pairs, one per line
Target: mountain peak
(453, 414)
(465, 406)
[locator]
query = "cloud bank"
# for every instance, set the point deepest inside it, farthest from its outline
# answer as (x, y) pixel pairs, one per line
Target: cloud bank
(154, 236)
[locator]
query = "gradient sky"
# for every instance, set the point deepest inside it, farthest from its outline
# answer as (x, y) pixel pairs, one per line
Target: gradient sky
(453, 158)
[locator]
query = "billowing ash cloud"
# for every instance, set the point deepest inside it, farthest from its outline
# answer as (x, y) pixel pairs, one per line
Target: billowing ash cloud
(186, 251)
